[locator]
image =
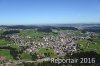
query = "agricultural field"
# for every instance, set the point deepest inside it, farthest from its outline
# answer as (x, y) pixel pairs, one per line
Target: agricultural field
(86, 45)
(4, 42)
(47, 52)
(5, 53)
(34, 34)
(26, 56)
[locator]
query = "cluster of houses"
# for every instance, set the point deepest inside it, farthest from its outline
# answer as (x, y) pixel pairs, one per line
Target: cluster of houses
(62, 44)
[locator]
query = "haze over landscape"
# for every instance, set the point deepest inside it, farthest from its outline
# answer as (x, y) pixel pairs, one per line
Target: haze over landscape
(16, 12)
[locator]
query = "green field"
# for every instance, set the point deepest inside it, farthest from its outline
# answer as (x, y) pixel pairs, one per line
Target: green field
(5, 53)
(1, 31)
(15, 46)
(47, 52)
(86, 45)
(4, 42)
(97, 40)
(26, 56)
(35, 34)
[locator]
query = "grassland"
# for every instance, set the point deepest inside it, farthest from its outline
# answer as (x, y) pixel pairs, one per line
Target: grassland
(35, 34)
(86, 45)
(5, 53)
(26, 56)
(15, 46)
(1, 31)
(4, 42)
(47, 52)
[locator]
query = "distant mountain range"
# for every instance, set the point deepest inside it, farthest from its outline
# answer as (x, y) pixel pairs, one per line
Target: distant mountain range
(87, 27)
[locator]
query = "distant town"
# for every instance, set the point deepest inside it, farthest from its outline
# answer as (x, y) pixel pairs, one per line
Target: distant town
(35, 45)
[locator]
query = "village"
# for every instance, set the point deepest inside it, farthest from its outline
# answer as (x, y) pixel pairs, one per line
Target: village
(43, 47)
(63, 43)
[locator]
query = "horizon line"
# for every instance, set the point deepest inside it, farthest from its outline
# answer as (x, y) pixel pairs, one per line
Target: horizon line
(47, 24)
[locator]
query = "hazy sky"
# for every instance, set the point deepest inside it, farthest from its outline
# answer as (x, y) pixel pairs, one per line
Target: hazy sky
(49, 11)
